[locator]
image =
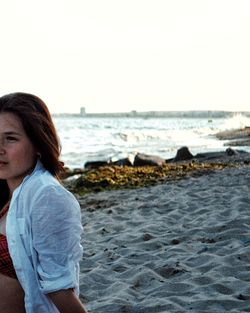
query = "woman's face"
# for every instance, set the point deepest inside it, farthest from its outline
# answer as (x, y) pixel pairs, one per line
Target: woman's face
(17, 154)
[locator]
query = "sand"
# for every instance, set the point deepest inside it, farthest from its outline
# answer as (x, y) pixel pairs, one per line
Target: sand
(180, 246)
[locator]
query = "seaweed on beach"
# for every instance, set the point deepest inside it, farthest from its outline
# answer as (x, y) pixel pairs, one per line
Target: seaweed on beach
(124, 177)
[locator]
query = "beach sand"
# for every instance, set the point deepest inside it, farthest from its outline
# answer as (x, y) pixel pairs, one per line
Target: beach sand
(181, 246)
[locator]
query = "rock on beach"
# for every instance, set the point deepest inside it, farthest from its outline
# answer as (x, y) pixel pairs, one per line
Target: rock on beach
(237, 137)
(149, 170)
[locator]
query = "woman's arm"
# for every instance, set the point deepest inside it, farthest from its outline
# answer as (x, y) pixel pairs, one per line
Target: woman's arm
(67, 301)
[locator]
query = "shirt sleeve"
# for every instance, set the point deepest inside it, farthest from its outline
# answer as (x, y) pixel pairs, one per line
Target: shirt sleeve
(56, 233)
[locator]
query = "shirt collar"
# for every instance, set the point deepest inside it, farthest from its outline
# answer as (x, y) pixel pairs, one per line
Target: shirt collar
(38, 168)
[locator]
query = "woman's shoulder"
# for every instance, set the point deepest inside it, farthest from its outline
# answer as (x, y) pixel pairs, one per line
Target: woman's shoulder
(44, 184)
(43, 192)
(39, 180)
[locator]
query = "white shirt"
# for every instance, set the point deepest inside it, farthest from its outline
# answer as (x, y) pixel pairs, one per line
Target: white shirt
(43, 230)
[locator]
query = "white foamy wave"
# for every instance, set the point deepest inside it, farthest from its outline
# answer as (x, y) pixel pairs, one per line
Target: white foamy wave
(237, 121)
(131, 137)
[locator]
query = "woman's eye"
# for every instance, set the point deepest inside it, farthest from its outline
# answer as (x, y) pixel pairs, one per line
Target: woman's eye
(10, 138)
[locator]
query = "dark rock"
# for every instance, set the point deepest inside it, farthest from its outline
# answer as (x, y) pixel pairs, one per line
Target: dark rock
(147, 237)
(234, 134)
(122, 162)
(230, 155)
(218, 154)
(183, 154)
(210, 155)
(230, 152)
(235, 137)
(175, 241)
(241, 297)
(95, 164)
(238, 143)
(146, 160)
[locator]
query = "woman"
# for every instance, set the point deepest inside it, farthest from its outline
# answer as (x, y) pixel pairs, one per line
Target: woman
(40, 224)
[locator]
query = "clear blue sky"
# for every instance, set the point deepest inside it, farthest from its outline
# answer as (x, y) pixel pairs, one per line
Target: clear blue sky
(116, 55)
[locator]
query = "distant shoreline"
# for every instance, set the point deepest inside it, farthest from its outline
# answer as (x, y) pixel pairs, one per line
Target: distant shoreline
(157, 114)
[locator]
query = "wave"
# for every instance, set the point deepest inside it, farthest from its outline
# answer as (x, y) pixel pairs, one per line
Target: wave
(106, 139)
(237, 121)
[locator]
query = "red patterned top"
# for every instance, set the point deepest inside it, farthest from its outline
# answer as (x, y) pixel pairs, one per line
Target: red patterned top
(6, 265)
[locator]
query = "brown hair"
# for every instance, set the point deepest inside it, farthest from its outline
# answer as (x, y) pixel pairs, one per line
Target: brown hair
(38, 125)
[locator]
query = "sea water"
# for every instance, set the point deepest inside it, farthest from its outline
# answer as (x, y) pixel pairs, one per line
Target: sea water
(111, 138)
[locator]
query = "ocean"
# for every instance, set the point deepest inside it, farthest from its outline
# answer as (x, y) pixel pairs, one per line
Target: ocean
(86, 139)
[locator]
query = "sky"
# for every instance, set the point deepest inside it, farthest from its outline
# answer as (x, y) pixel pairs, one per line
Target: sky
(123, 55)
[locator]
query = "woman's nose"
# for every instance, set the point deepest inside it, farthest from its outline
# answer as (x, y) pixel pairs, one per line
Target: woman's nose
(2, 151)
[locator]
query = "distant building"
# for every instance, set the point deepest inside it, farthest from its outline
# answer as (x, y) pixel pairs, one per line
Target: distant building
(82, 111)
